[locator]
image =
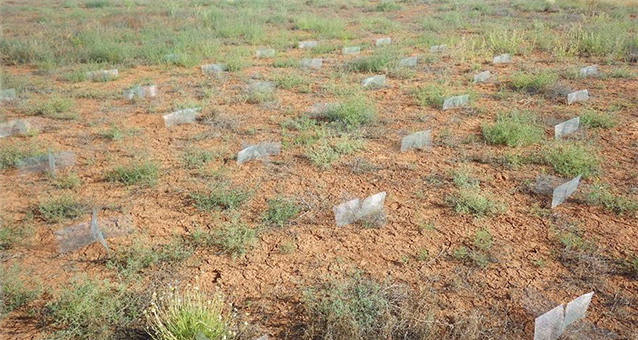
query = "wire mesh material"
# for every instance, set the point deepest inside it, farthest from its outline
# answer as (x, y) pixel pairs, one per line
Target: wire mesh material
(80, 235)
(14, 127)
(588, 71)
(578, 96)
(351, 50)
(482, 77)
(438, 48)
(455, 102)
(307, 44)
(382, 42)
(408, 62)
(417, 140)
(50, 162)
(374, 82)
(103, 75)
(502, 59)
(370, 209)
(259, 151)
(563, 191)
(186, 116)
(140, 92)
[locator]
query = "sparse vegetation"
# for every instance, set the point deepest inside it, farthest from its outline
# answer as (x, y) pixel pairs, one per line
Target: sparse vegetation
(67, 181)
(62, 208)
(188, 313)
(280, 211)
(430, 95)
(373, 64)
(235, 238)
(136, 173)
(12, 155)
(360, 308)
(352, 114)
(16, 289)
(92, 309)
(533, 83)
(514, 129)
(572, 159)
(618, 204)
(56, 107)
(324, 153)
(472, 201)
(221, 197)
(134, 259)
(453, 213)
(594, 119)
(196, 158)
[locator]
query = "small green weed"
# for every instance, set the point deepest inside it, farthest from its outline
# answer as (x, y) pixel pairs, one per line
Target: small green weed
(532, 83)
(67, 181)
(572, 159)
(221, 197)
(235, 238)
(280, 211)
(16, 290)
(196, 158)
(188, 313)
(430, 95)
(137, 173)
(59, 209)
(55, 107)
(514, 129)
(593, 119)
(92, 309)
(618, 204)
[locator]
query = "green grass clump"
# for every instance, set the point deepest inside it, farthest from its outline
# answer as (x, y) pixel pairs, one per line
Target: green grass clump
(483, 240)
(67, 181)
(221, 197)
(595, 119)
(387, 6)
(618, 204)
(572, 159)
(324, 27)
(260, 96)
(92, 309)
(280, 211)
(235, 238)
(352, 309)
(188, 313)
(372, 64)
(324, 153)
(97, 4)
(14, 290)
(143, 173)
(506, 41)
(430, 95)
(195, 158)
(324, 48)
(359, 308)
(11, 155)
(55, 107)
(533, 83)
(352, 114)
(471, 201)
(137, 257)
(113, 133)
(515, 129)
(60, 209)
(285, 63)
(290, 81)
